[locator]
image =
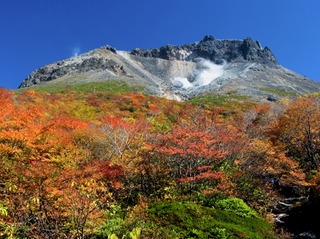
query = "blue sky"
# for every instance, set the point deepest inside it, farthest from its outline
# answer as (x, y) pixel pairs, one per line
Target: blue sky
(38, 32)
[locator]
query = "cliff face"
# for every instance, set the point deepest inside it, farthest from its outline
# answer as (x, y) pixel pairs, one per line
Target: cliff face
(214, 50)
(181, 72)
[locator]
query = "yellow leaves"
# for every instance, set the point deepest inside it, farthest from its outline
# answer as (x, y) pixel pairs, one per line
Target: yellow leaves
(11, 187)
(5, 149)
(73, 183)
(9, 231)
(3, 210)
(89, 187)
(262, 146)
(35, 201)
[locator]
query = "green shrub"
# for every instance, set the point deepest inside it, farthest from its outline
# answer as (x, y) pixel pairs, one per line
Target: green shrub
(219, 233)
(114, 223)
(237, 206)
(233, 219)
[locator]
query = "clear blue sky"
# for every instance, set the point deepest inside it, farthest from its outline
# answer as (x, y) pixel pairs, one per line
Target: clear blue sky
(38, 32)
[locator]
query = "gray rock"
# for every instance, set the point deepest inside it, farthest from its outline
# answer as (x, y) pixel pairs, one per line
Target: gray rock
(91, 61)
(271, 98)
(214, 50)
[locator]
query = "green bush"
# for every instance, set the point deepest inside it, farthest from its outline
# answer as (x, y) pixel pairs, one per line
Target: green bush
(231, 219)
(114, 223)
(237, 206)
(219, 233)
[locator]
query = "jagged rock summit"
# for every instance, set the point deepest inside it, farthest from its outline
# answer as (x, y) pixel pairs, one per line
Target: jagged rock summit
(181, 72)
(217, 51)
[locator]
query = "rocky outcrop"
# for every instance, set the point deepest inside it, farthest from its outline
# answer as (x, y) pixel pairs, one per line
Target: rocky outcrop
(90, 61)
(217, 51)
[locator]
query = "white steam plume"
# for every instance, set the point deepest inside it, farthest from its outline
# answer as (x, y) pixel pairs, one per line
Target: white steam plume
(203, 75)
(75, 51)
(182, 82)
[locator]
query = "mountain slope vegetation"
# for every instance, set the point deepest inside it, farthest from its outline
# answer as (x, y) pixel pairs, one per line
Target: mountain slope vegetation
(101, 161)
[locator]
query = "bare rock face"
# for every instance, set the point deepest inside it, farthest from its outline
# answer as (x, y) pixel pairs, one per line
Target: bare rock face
(90, 61)
(180, 72)
(214, 50)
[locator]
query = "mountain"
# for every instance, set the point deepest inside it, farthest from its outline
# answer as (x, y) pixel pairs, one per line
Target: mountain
(181, 72)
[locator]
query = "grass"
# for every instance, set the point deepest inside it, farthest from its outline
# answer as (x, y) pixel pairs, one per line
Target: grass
(108, 86)
(231, 101)
(219, 99)
(279, 92)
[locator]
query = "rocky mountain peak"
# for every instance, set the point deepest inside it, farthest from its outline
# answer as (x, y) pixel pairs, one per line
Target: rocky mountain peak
(181, 72)
(215, 50)
(208, 38)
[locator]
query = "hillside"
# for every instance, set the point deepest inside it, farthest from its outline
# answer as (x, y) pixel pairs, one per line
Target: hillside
(108, 163)
(213, 139)
(209, 66)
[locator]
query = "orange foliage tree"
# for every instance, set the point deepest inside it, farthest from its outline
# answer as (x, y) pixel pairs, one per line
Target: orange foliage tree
(298, 131)
(50, 186)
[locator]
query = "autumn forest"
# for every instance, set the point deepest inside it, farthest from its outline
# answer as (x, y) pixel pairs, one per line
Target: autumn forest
(99, 164)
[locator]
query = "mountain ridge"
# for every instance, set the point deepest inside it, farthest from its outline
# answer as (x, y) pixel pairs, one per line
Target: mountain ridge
(181, 72)
(215, 50)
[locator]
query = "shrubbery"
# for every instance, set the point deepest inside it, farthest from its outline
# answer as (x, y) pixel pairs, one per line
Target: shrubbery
(237, 206)
(80, 163)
